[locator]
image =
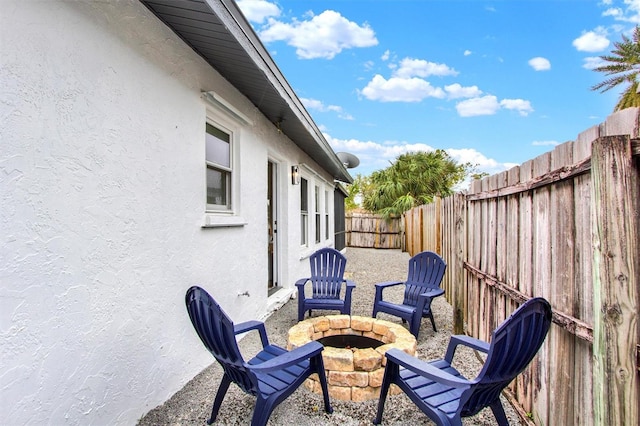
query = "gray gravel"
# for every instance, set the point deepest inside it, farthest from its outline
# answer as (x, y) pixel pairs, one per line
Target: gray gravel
(192, 404)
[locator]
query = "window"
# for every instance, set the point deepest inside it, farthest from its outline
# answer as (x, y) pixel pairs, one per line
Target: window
(317, 210)
(219, 168)
(304, 212)
(326, 215)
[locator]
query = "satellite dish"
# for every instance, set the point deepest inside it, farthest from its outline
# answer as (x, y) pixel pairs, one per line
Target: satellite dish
(349, 160)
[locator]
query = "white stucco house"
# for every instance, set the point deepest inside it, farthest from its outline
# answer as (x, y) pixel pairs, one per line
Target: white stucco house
(146, 146)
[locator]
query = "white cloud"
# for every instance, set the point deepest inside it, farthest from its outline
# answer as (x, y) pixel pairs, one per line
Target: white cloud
(545, 143)
(614, 12)
(376, 156)
(630, 13)
(482, 163)
(400, 89)
(317, 105)
(486, 105)
(489, 105)
(592, 41)
(467, 52)
(258, 10)
(322, 36)
(313, 104)
(385, 56)
(456, 91)
(540, 64)
(593, 62)
(410, 67)
(523, 107)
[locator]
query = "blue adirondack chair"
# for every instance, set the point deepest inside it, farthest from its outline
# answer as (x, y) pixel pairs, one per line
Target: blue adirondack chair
(426, 270)
(327, 277)
(446, 396)
(271, 376)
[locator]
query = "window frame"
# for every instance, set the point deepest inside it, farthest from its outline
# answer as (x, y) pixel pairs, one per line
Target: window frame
(226, 118)
(229, 171)
(316, 230)
(326, 215)
(317, 214)
(304, 214)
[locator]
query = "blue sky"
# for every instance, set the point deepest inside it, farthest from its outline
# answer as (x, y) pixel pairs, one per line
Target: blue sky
(494, 83)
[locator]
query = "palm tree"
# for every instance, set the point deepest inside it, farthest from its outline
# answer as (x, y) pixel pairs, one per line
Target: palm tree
(623, 67)
(413, 179)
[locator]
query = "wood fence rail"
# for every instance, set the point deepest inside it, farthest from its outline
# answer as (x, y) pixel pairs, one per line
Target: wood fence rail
(563, 226)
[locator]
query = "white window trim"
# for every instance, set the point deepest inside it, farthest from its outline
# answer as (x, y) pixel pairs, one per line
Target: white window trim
(314, 179)
(327, 215)
(221, 114)
(225, 107)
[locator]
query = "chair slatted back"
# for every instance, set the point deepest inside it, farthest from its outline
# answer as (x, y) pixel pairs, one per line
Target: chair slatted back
(426, 269)
(513, 345)
(215, 329)
(327, 273)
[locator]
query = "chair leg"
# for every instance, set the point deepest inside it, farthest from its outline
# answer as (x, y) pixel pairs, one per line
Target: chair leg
(323, 382)
(389, 372)
(222, 391)
(433, 323)
(300, 308)
(262, 411)
(414, 326)
(498, 412)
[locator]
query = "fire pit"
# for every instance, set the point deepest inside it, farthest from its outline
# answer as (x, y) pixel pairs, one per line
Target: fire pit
(354, 352)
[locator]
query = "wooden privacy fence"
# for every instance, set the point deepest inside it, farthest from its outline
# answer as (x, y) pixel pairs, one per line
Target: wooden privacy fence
(563, 226)
(372, 231)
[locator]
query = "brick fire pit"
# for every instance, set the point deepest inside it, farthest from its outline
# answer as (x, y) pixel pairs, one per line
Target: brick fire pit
(353, 374)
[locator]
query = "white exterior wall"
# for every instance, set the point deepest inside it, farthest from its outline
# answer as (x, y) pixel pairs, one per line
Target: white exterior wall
(102, 185)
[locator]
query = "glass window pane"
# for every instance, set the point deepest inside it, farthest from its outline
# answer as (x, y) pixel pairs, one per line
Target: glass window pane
(326, 227)
(304, 199)
(217, 186)
(317, 228)
(218, 147)
(303, 231)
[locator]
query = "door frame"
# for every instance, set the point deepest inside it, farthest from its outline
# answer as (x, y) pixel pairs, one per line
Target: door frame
(273, 227)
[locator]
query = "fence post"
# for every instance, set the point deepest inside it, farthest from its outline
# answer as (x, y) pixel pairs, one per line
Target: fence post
(614, 190)
(438, 225)
(459, 285)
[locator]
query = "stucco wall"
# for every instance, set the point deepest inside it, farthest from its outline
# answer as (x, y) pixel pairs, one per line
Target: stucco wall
(103, 201)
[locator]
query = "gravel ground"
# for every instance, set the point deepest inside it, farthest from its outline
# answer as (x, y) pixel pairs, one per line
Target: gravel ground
(192, 404)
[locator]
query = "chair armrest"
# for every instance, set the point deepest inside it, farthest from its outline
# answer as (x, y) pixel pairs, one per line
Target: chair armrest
(461, 339)
(301, 282)
(350, 284)
(433, 292)
(252, 325)
(288, 359)
(425, 369)
(388, 284)
(380, 287)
